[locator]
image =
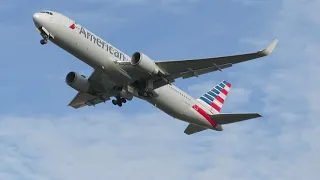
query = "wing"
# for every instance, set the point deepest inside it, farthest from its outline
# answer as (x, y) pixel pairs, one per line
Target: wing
(84, 99)
(192, 129)
(195, 67)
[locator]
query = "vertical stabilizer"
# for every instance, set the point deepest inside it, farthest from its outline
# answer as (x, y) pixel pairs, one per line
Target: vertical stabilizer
(214, 99)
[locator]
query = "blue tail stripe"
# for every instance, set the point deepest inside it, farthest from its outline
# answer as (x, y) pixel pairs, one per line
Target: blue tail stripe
(218, 87)
(205, 100)
(209, 97)
(215, 91)
(212, 94)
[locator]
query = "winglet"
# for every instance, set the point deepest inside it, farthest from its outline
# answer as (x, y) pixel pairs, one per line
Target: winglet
(270, 48)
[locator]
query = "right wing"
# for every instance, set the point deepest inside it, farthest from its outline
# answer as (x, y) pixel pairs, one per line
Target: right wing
(194, 67)
(232, 118)
(174, 69)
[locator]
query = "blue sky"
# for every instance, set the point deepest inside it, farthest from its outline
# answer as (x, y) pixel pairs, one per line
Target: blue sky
(42, 138)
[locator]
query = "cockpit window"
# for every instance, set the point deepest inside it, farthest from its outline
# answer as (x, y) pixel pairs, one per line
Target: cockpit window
(47, 12)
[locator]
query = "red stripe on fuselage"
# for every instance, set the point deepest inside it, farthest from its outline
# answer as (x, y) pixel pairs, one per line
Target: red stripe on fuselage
(204, 114)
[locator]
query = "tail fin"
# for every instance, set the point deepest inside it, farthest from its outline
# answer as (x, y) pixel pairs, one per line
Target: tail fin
(214, 99)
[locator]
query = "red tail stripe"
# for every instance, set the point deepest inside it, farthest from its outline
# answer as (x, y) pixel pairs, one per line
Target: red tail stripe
(225, 92)
(216, 107)
(204, 114)
(229, 85)
(220, 99)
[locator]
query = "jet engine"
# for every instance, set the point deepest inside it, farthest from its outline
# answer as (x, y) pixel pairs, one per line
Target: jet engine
(144, 63)
(78, 82)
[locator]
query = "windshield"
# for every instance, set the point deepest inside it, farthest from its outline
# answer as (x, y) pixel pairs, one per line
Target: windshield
(47, 12)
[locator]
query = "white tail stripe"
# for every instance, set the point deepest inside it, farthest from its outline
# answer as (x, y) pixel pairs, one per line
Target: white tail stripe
(217, 103)
(223, 96)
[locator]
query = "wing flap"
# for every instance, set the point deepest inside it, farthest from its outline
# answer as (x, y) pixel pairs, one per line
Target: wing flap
(84, 99)
(232, 118)
(196, 72)
(192, 129)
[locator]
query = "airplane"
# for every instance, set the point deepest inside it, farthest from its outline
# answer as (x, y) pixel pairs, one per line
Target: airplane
(122, 77)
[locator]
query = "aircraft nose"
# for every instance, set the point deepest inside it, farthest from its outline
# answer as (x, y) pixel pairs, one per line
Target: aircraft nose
(36, 16)
(36, 19)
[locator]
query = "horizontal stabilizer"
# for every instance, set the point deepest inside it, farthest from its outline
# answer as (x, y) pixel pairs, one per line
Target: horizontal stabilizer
(232, 118)
(192, 129)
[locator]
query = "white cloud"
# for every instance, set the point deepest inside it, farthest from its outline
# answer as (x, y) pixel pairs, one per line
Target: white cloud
(151, 146)
(172, 6)
(286, 84)
(201, 88)
(251, 2)
(239, 96)
(291, 106)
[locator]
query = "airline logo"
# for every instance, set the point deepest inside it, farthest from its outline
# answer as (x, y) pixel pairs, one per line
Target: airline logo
(217, 96)
(100, 43)
(73, 26)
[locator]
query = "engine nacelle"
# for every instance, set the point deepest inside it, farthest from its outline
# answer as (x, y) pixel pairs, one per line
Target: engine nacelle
(144, 63)
(78, 82)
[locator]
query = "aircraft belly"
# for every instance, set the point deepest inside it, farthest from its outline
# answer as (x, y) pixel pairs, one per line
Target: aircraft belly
(177, 106)
(168, 103)
(196, 118)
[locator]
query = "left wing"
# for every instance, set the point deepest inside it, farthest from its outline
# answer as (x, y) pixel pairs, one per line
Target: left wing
(84, 99)
(195, 67)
